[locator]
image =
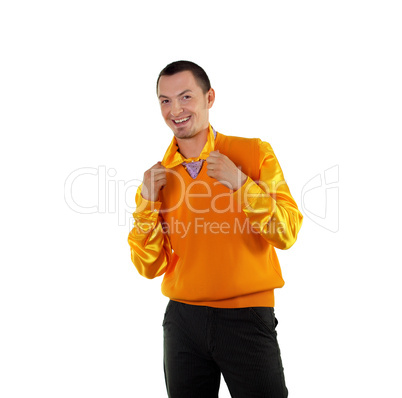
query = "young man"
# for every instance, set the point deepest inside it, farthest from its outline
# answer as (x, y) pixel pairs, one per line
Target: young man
(209, 217)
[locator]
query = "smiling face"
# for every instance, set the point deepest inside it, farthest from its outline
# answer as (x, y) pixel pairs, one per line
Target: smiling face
(184, 106)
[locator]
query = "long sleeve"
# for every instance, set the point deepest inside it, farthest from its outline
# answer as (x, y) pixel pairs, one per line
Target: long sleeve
(150, 247)
(268, 203)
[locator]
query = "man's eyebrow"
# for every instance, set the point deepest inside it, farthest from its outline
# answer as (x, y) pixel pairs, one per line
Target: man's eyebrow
(183, 92)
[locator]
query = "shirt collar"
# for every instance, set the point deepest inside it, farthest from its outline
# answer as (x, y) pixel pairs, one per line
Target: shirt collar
(173, 157)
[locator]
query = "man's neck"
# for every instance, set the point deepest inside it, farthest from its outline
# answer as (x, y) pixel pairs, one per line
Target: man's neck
(192, 147)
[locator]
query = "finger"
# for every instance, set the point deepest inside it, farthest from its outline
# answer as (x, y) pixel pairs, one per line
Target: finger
(157, 171)
(159, 182)
(160, 166)
(213, 159)
(154, 177)
(160, 177)
(210, 173)
(157, 165)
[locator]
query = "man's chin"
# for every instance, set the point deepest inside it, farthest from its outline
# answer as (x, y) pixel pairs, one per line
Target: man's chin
(182, 133)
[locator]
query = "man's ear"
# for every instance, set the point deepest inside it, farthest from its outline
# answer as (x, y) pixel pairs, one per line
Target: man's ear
(210, 97)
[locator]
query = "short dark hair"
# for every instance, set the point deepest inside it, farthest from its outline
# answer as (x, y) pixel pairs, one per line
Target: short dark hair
(180, 66)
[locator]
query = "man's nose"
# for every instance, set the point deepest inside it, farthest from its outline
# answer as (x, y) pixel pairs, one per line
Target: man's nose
(176, 108)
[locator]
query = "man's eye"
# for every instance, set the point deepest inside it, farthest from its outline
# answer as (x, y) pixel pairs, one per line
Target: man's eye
(186, 97)
(164, 101)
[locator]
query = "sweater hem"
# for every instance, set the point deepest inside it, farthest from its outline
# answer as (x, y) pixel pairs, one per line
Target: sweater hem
(259, 299)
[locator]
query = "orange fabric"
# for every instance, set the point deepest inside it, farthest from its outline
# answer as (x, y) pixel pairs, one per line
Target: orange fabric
(214, 246)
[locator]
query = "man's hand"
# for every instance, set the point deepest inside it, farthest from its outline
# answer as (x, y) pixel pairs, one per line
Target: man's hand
(154, 181)
(225, 171)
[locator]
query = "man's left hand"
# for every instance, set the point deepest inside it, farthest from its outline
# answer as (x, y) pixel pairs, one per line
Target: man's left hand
(225, 171)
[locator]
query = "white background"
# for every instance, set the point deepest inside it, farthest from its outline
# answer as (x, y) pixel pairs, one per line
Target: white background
(319, 80)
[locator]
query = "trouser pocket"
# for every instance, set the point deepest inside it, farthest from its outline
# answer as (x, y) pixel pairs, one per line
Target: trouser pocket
(265, 316)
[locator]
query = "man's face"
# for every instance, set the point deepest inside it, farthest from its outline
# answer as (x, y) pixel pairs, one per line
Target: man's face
(184, 106)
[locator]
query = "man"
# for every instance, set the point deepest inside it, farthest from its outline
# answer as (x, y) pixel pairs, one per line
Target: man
(208, 217)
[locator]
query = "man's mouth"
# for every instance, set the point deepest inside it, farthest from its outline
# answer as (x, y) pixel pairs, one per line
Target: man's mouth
(181, 121)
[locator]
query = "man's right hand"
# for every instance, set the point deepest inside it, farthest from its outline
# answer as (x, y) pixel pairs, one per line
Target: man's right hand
(154, 181)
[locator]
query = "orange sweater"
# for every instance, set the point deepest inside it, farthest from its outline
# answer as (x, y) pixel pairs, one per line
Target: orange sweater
(215, 246)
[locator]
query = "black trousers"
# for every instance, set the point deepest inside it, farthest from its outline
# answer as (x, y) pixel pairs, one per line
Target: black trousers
(201, 343)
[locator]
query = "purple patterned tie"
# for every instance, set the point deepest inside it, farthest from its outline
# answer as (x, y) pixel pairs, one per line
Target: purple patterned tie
(194, 168)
